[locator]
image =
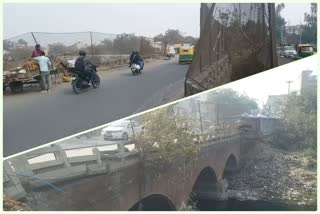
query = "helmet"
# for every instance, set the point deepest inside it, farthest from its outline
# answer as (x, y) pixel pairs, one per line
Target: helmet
(82, 53)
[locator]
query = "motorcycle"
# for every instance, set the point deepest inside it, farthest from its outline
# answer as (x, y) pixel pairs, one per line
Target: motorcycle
(135, 69)
(80, 82)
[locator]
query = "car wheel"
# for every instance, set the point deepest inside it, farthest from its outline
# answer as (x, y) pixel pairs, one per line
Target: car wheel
(125, 136)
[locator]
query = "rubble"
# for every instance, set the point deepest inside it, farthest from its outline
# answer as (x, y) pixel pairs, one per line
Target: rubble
(13, 205)
(275, 175)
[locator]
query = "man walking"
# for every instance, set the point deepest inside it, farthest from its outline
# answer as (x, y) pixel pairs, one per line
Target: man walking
(44, 64)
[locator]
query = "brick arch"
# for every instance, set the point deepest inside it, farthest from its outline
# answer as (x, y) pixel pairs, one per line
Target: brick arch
(154, 202)
(205, 184)
(231, 165)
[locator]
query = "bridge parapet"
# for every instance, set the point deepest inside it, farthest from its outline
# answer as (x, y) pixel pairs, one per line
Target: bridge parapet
(29, 170)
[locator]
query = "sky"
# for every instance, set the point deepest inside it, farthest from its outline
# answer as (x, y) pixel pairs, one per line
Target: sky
(146, 19)
(142, 19)
(293, 13)
(273, 82)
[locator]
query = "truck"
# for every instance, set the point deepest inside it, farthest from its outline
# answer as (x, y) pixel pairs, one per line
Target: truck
(170, 52)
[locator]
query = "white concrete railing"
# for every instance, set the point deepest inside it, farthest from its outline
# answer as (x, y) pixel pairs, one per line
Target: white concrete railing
(53, 165)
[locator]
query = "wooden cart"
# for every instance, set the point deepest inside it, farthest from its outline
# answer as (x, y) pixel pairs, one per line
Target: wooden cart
(28, 73)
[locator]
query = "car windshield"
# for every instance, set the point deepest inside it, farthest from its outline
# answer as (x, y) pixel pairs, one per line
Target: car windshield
(307, 48)
(288, 48)
(120, 124)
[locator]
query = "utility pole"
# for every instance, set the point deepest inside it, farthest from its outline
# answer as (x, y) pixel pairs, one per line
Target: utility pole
(34, 38)
(289, 82)
(131, 123)
(141, 45)
(300, 31)
(281, 35)
(91, 43)
(200, 116)
(218, 114)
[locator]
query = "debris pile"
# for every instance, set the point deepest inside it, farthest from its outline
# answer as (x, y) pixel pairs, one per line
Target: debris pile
(275, 175)
(13, 205)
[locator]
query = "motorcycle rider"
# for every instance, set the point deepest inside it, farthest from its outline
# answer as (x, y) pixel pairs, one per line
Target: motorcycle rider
(83, 65)
(135, 58)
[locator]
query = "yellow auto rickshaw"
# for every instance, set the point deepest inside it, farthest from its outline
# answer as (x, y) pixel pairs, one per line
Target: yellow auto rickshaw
(186, 54)
(304, 50)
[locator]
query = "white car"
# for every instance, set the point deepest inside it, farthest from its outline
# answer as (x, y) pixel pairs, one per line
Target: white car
(288, 51)
(122, 130)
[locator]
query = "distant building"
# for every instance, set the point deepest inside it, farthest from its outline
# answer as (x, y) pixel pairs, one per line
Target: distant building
(154, 44)
(308, 81)
(295, 29)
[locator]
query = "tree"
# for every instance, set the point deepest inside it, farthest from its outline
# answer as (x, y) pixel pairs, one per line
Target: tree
(125, 43)
(309, 30)
(190, 40)
(173, 36)
(166, 140)
(300, 119)
(170, 37)
(22, 42)
(299, 122)
(107, 43)
(7, 45)
(280, 22)
(231, 102)
(159, 38)
(105, 47)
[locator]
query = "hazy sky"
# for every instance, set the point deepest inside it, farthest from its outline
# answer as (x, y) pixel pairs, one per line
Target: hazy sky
(142, 19)
(273, 82)
(294, 12)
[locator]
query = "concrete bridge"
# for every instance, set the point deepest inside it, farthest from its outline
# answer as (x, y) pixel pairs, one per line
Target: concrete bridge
(119, 180)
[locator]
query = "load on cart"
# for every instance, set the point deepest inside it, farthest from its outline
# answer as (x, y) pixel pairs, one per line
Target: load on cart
(29, 73)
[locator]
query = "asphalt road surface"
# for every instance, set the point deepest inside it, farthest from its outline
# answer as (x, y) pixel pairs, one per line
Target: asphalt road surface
(284, 60)
(32, 119)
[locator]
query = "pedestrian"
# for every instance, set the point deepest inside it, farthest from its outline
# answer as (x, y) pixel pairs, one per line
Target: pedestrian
(44, 64)
(37, 51)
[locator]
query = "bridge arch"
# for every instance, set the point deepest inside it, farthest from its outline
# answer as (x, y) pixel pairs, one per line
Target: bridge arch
(154, 202)
(205, 186)
(231, 166)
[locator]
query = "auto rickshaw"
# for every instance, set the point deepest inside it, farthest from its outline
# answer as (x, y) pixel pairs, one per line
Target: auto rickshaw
(304, 50)
(186, 54)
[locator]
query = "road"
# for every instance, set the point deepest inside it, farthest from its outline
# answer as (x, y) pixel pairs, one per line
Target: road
(284, 60)
(32, 119)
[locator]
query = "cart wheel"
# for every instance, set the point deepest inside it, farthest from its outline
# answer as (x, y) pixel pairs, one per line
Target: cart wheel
(16, 87)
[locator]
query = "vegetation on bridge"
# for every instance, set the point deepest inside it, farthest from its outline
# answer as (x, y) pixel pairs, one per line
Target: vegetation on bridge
(167, 140)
